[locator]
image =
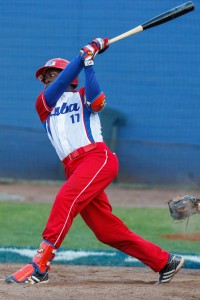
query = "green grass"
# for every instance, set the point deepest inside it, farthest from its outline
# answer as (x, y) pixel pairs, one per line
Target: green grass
(22, 225)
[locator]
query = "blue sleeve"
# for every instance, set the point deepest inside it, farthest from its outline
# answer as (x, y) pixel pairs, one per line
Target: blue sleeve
(63, 81)
(92, 88)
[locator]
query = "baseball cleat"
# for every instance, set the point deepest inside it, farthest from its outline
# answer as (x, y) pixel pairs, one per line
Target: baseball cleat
(174, 264)
(28, 275)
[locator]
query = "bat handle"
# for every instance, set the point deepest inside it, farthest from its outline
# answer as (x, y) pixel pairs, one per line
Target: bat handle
(126, 34)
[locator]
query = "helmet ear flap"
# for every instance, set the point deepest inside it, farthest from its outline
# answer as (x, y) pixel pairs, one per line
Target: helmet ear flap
(57, 63)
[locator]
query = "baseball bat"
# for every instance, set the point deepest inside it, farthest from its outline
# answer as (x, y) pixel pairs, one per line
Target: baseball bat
(160, 19)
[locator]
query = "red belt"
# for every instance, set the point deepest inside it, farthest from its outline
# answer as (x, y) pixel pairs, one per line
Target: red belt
(80, 151)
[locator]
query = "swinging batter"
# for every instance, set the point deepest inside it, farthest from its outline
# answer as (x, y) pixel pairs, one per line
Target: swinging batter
(71, 120)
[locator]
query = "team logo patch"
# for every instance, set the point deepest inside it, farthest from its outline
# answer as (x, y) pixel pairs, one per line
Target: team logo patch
(50, 63)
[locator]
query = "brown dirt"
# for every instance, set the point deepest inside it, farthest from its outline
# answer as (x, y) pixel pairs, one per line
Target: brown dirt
(183, 236)
(117, 194)
(86, 282)
(89, 283)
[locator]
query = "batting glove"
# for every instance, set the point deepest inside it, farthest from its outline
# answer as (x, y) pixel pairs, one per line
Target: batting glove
(89, 52)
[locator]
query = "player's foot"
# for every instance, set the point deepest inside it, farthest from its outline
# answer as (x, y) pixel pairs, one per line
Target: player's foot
(29, 274)
(174, 264)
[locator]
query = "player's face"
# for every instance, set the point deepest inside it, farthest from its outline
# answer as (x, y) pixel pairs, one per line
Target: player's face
(50, 75)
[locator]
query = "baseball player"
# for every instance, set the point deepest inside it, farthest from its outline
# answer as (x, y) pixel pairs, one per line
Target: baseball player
(72, 123)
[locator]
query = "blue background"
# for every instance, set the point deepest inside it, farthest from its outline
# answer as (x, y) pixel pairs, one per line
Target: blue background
(152, 77)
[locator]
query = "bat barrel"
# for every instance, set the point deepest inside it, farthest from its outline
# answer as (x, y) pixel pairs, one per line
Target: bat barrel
(165, 17)
(169, 15)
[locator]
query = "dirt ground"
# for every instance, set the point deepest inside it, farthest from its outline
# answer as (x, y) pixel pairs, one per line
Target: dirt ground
(99, 283)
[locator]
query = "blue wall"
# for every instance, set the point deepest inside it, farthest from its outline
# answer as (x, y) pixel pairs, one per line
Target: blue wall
(152, 77)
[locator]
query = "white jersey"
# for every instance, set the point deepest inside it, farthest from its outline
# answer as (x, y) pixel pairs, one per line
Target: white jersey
(70, 124)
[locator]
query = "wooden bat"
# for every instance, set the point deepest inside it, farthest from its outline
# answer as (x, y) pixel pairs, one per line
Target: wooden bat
(160, 19)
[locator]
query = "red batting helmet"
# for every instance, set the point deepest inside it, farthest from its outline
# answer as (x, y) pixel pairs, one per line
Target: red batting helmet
(57, 63)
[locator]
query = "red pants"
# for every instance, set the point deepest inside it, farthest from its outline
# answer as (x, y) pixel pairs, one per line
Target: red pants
(83, 192)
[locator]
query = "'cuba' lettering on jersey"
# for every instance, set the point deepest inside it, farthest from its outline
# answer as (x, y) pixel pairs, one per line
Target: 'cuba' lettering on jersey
(64, 109)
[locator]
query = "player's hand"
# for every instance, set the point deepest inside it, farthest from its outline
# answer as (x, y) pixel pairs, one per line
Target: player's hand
(89, 52)
(102, 44)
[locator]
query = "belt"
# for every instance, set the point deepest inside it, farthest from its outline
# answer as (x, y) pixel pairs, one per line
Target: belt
(80, 151)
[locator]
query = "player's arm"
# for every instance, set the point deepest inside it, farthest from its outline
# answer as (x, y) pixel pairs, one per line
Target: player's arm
(47, 100)
(95, 98)
(63, 81)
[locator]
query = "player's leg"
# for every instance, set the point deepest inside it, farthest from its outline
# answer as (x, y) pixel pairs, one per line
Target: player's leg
(110, 230)
(87, 177)
(91, 175)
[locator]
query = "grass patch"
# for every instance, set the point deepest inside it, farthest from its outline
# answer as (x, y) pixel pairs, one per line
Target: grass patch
(22, 225)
